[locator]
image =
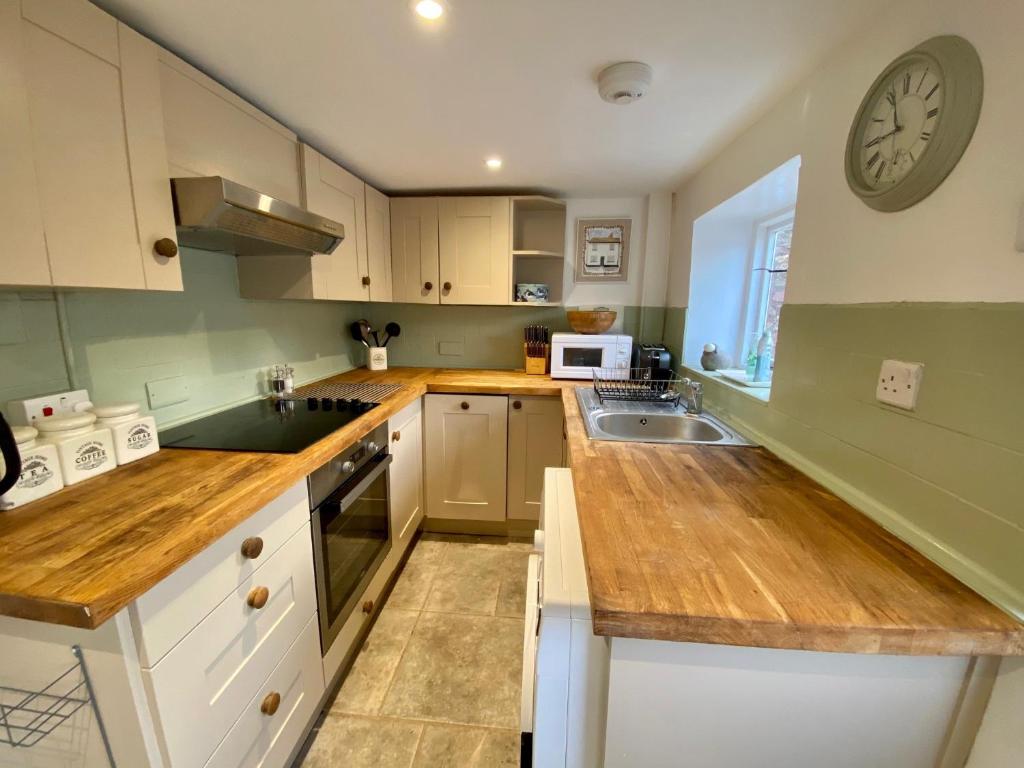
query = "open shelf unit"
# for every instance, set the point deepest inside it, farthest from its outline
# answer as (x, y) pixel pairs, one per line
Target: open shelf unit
(538, 246)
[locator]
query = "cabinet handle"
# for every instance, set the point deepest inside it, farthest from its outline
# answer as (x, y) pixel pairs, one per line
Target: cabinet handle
(447, 286)
(464, 405)
(165, 247)
(516, 404)
(270, 703)
(396, 435)
(428, 286)
(366, 279)
(258, 597)
(368, 606)
(252, 547)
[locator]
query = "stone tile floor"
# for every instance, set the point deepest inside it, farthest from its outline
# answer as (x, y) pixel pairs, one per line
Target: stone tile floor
(437, 682)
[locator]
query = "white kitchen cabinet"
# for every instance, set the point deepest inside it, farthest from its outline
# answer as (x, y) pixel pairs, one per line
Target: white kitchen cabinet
(378, 244)
(465, 451)
(85, 184)
(534, 443)
(406, 470)
(414, 260)
(473, 248)
(333, 192)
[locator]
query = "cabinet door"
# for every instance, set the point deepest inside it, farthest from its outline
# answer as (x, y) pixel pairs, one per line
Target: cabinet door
(414, 264)
(98, 149)
(378, 244)
(534, 443)
(406, 477)
(473, 235)
(465, 455)
(333, 192)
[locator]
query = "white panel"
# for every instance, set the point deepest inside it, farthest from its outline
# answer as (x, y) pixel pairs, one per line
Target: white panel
(77, 21)
(534, 443)
(473, 247)
(378, 244)
(414, 244)
(406, 476)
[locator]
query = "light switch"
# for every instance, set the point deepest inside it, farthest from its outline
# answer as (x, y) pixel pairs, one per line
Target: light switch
(164, 392)
(898, 383)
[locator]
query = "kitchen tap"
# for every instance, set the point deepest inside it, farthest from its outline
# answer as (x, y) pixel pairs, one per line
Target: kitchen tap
(693, 396)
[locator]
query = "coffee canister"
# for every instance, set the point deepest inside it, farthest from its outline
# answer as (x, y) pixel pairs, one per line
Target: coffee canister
(83, 449)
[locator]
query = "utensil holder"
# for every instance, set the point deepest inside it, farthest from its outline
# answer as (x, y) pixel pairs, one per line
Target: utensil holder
(377, 359)
(537, 366)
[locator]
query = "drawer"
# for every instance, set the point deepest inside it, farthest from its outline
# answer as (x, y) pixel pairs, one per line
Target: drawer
(200, 688)
(169, 611)
(262, 740)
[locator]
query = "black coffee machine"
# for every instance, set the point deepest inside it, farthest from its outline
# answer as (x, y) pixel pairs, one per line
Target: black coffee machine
(654, 358)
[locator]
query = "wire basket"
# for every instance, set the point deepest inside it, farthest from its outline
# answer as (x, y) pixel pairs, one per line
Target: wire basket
(637, 384)
(29, 716)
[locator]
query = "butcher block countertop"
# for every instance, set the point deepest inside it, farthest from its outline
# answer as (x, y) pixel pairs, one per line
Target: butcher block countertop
(688, 543)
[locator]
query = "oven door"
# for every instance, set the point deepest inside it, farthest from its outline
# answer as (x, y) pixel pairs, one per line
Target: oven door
(578, 359)
(351, 537)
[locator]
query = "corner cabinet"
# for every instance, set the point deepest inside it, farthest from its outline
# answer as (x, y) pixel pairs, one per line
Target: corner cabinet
(84, 192)
(451, 250)
(535, 435)
(378, 244)
(465, 449)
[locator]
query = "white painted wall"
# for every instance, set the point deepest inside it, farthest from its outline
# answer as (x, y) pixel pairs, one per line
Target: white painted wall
(956, 245)
(1000, 740)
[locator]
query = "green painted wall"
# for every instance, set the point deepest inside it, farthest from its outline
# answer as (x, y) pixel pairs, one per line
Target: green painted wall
(672, 331)
(946, 477)
(221, 343)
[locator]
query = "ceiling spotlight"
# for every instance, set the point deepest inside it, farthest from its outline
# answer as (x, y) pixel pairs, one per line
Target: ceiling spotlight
(429, 9)
(494, 163)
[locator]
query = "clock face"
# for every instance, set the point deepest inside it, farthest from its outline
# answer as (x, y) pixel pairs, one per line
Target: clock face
(900, 124)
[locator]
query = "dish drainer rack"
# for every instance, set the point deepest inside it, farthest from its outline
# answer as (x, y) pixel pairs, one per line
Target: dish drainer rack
(637, 385)
(29, 716)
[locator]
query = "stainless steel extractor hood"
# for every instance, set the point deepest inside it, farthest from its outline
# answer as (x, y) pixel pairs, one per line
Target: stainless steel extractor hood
(215, 214)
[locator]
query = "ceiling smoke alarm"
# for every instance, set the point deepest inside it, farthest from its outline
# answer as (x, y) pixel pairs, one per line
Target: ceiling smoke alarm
(625, 82)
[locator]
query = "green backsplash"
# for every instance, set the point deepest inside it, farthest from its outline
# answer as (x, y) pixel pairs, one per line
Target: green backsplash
(945, 477)
(220, 343)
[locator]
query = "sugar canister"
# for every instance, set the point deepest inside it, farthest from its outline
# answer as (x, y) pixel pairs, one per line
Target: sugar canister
(40, 470)
(134, 434)
(84, 449)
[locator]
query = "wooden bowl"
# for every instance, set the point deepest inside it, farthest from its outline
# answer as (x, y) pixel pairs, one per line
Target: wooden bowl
(591, 321)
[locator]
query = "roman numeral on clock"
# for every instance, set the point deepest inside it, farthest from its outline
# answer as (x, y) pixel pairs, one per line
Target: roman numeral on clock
(872, 160)
(932, 91)
(881, 168)
(906, 83)
(876, 140)
(925, 135)
(933, 112)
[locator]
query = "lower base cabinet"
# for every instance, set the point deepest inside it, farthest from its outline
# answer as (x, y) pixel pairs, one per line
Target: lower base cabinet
(406, 473)
(534, 443)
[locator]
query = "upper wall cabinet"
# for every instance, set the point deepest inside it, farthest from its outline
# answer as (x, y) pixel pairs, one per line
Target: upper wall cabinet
(378, 244)
(450, 250)
(83, 190)
(473, 246)
(414, 263)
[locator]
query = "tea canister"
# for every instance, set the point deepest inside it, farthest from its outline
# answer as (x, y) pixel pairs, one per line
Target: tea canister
(40, 470)
(83, 449)
(134, 435)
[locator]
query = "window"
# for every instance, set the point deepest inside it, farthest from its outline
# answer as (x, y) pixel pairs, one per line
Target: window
(768, 282)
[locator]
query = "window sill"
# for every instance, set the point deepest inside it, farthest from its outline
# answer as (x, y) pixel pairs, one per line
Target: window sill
(760, 394)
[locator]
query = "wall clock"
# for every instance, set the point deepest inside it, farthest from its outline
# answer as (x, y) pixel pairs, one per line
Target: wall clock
(914, 123)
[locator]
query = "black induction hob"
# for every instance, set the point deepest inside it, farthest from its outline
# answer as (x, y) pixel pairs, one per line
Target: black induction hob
(269, 426)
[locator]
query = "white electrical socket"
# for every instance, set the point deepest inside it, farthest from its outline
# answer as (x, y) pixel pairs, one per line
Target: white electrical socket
(164, 392)
(898, 383)
(25, 412)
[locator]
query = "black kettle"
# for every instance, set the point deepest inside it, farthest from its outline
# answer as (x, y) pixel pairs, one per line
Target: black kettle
(12, 457)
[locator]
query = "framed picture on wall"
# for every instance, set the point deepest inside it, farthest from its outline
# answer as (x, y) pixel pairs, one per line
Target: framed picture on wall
(602, 250)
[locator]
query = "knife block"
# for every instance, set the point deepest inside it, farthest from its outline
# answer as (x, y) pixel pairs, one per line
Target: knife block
(537, 366)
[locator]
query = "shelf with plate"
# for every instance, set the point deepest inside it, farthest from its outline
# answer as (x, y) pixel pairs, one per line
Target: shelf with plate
(538, 248)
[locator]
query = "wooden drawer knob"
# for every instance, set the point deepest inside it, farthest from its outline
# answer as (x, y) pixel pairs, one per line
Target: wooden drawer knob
(396, 435)
(258, 597)
(428, 286)
(366, 279)
(252, 547)
(464, 405)
(270, 703)
(165, 247)
(517, 404)
(368, 606)
(447, 286)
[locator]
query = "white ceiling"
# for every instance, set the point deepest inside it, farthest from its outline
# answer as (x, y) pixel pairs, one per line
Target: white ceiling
(411, 105)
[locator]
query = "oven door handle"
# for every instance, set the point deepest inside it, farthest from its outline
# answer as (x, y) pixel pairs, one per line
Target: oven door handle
(363, 484)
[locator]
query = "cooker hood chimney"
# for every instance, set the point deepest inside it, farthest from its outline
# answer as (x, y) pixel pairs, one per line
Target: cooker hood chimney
(215, 214)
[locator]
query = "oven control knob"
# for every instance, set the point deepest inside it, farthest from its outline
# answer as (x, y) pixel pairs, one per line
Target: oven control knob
(372, 447)
(348, 466)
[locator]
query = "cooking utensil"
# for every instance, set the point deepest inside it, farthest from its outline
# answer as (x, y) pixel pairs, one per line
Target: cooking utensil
(356, 329)
(392, 330)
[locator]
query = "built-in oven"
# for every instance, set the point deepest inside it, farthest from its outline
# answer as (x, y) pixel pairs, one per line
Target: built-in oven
(351, 523)
(576, 355)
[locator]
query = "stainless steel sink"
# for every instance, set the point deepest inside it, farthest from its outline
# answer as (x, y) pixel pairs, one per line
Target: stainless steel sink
(651, 423)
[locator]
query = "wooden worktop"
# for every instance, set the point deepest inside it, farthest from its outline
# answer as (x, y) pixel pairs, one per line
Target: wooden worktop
(692, 543)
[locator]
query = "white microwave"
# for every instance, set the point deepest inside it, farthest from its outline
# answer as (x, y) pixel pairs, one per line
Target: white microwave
(576, 355)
